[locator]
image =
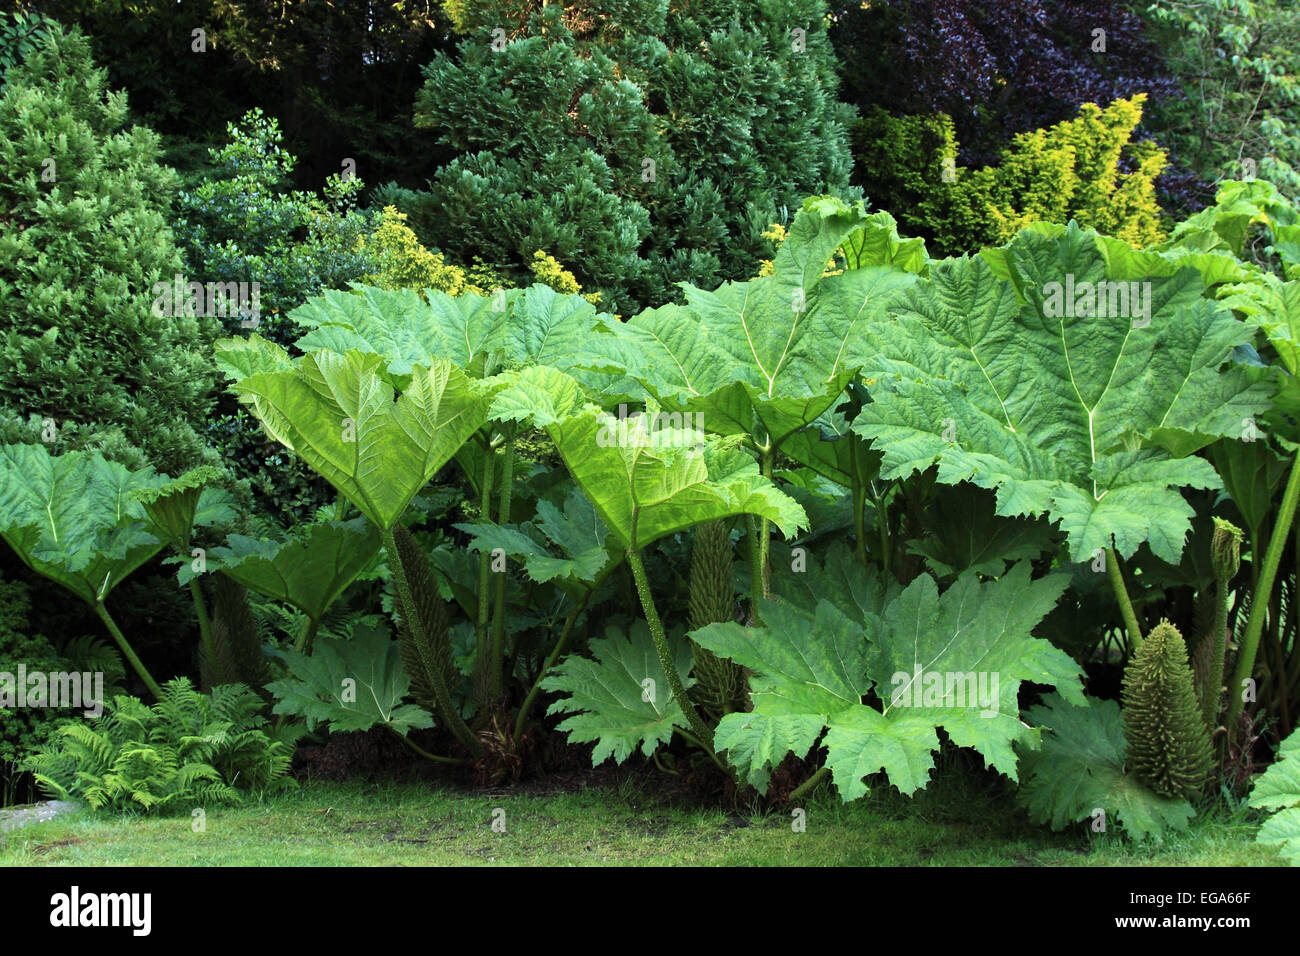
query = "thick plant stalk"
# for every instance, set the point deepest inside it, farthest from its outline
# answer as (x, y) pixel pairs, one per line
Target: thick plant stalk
(1260, 599)
(205, 623)
(455, 761)
(721, 683)
(810, 784)
(408, 606)
(1204, 611)
(755, 569)
(551, 658)
(765, 533)
(136, 664)
(302, 644)
(499, 614)
(482, 639)
(1275, 647)
(882, 526)
(1121, 596)
(701, 730)
(1225, 551)
(859, 508)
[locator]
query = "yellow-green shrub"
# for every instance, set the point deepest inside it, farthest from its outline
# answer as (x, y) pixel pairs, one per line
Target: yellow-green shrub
(405, 264)
(1068, 171)
(549, 271)
(1072, 171)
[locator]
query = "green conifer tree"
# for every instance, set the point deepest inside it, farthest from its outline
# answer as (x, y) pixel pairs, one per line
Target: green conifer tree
(641, 142)
(84, 206)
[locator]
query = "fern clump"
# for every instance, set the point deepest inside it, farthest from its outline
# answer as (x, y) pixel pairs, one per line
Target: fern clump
(1168, 744)
(187, 749)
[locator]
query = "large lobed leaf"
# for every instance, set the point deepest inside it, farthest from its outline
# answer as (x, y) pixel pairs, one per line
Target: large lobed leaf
(1087, 419)
(961, 531)
(619, 697)
(766, 357)
(478, 334)
(340, 415)
(1278, 788)
(75, 518)
(1079, 770)
(351, 684)
(575, 529)
(812, 669)
(644, 481)
(174, 509)
(309, 570)
(838, 577)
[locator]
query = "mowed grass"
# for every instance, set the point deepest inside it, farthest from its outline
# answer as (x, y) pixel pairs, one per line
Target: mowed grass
(418, 824)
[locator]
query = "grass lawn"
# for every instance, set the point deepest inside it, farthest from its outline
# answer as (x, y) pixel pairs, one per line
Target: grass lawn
(626, 823)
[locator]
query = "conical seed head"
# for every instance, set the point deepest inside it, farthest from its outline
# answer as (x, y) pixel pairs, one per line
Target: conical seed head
(1168, 746)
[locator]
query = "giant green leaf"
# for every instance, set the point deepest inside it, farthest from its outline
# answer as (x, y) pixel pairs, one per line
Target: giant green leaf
(75, 518)
(1275, 306)
(836, 575)
(476, 333)
(1078, 774)
(546, 327)
(646, 477)
(573, 528)
(960, 531)
(1238, 205)
(878, 243)
(243, 357)
(809, 670)
(175, 508)
(830, 447)
(765, 357)
(405, 330)
(954, 661)
(339, 415)
(309, 569)
(1088, 419)
(620, 698)
(576, 529)
(1279, 789)
(351, 684)
(1251, 473)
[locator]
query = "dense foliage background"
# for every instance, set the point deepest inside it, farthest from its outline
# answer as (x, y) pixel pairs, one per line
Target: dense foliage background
(471, 228)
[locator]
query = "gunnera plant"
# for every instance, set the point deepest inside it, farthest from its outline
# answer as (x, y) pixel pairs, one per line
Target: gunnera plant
(1225, 555)
(721, 683)
(1168, 743)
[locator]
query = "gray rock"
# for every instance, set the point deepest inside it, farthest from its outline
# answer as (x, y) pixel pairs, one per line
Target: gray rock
(15, 817)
